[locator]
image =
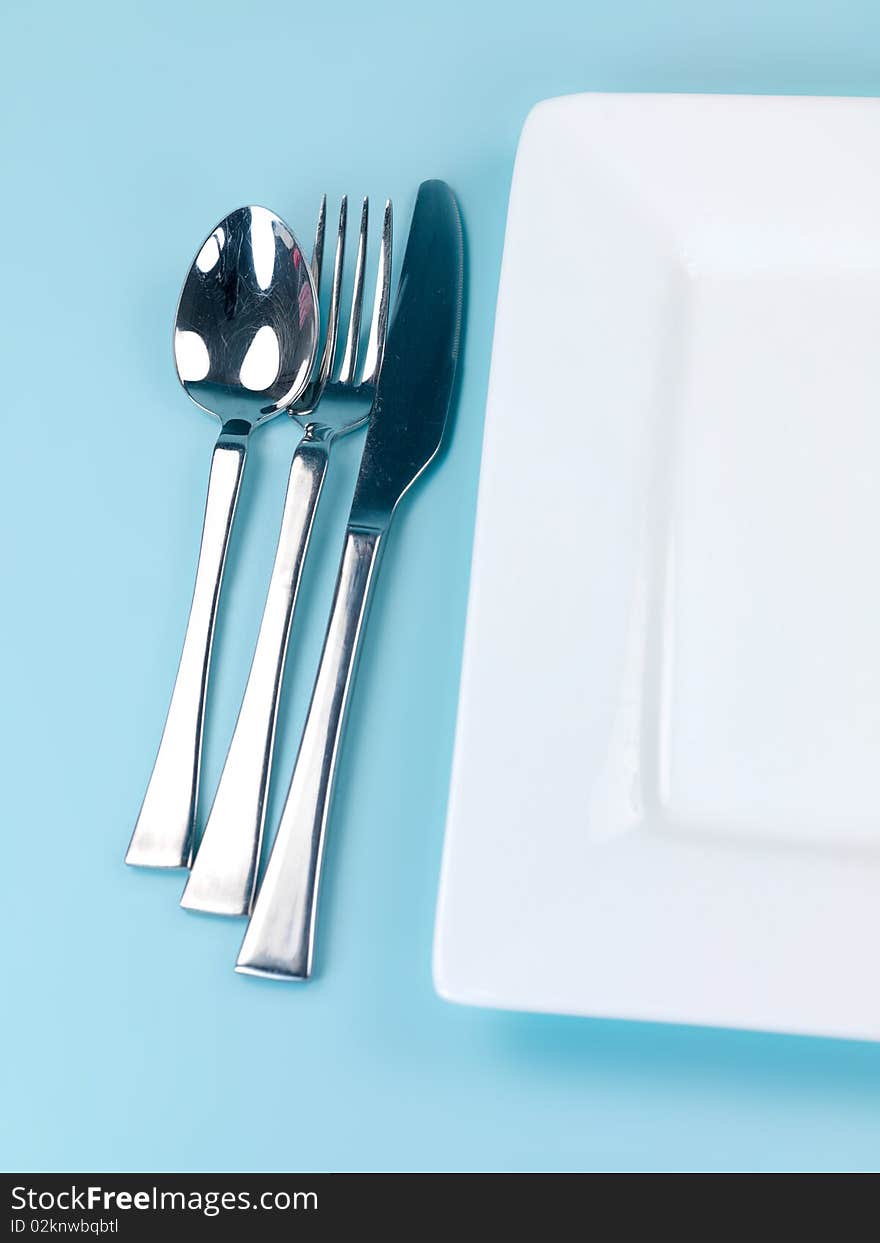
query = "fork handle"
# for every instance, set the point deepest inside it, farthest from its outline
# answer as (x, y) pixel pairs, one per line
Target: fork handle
(163, 835)
(280, 935)
(224, 874)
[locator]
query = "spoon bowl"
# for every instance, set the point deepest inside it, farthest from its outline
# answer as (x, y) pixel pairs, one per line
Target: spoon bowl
(246, 329)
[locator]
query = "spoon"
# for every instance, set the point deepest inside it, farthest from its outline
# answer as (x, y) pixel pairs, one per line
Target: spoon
(245, 340)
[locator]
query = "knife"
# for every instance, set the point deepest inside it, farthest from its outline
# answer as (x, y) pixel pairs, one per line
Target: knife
(406, 427)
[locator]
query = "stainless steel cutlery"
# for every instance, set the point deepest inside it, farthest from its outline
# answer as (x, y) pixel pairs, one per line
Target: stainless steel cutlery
(224, 874)
(245, 339)
(407, 421)
(246, 346)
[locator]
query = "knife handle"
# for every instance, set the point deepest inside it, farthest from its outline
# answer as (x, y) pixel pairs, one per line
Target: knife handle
(163, 835)
(280, 935)
(224, 874)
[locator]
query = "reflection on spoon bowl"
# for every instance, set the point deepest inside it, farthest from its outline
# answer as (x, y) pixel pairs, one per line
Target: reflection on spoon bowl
(246, 330)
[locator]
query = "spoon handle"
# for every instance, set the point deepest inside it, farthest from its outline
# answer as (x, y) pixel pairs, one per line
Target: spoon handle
(224, 874)
(278, 941)
(163, 835)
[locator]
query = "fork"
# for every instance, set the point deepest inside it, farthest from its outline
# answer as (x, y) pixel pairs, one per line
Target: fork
(224, 874)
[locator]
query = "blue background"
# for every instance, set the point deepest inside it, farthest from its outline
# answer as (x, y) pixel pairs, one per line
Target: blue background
(127, 1040)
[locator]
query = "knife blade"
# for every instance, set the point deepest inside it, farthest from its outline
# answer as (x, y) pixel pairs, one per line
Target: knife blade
(415, 387)
(406, 428)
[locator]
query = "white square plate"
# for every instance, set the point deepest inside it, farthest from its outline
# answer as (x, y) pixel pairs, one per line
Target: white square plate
(665, 799)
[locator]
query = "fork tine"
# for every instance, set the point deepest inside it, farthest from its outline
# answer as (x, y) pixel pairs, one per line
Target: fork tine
(318, 251)
(350, 356)
(329, 352)
(381, 302)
